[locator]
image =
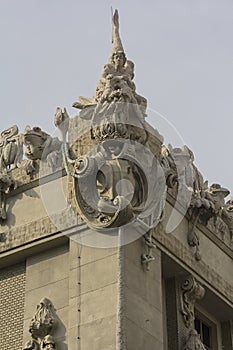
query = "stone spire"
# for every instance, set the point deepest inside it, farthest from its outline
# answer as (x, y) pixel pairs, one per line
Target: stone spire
(116, 82)
(116, 40)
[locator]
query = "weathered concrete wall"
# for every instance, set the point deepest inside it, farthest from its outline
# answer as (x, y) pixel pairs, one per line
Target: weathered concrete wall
(93, 298)
(143, 299)
(31, 203)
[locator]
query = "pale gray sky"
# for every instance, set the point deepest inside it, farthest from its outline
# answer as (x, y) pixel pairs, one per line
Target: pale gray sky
(52, 51)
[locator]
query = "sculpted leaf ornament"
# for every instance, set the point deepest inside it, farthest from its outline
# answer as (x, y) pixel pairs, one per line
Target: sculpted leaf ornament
(42, 327)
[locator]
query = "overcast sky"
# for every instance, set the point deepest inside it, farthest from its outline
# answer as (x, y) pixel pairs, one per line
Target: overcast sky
(52, 51)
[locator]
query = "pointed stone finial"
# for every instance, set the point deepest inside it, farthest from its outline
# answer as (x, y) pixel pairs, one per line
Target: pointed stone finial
(116, 82)
(117, 47)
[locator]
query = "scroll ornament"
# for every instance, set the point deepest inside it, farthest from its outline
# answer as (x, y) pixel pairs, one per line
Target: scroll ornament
(191, 291)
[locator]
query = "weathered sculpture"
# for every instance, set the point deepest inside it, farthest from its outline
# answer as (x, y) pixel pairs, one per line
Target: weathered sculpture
(6, 183)
(116, 82)
(217, 194)
(148, 257)
(61, 121)
(31, 345)
(191, 291)
(42, 327)
(113, 182)
(41, 146)
(48, 343)
(11, 148)
(121, 178)
(11, 154)
(194, 341)
(204, 204)
(116, 105)
(227, 215)
(44, 321)
(208, 207)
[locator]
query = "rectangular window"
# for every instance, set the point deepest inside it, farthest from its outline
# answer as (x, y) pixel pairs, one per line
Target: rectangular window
(207, 330)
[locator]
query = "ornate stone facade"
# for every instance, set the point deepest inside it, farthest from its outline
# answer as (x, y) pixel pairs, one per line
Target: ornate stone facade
(109, 223)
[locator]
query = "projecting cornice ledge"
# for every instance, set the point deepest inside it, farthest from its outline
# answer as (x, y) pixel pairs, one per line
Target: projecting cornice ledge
(223, 243)
(177, 251)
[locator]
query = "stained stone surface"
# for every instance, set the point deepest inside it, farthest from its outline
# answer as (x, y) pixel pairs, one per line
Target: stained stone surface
(117, 297)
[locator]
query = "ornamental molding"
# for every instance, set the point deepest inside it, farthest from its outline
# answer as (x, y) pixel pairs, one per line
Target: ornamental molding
(190, 292)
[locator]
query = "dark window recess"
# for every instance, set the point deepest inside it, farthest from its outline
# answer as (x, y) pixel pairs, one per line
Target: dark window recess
(205, 333)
